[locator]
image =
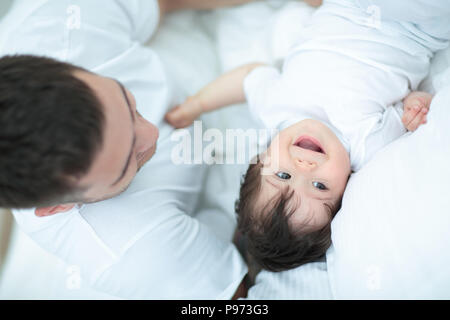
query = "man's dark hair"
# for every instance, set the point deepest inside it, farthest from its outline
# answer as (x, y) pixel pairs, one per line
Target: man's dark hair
(51, 126)
(273, 243)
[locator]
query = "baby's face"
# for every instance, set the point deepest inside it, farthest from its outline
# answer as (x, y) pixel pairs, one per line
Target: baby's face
(309, 159)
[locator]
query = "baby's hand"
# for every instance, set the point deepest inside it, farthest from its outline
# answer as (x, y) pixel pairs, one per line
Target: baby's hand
(415, 109)
(184, 114)
(314, 3)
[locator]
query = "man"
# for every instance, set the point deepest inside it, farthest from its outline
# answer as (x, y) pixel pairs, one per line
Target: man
(74, 136)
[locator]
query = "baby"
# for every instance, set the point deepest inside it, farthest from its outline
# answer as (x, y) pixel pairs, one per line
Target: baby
(335, 103)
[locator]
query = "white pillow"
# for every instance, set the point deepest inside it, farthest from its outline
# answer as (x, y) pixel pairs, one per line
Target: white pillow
(391, 239)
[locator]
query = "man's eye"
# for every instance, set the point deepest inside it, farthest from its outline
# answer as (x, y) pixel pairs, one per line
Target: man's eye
(283, 175)
(319, 185)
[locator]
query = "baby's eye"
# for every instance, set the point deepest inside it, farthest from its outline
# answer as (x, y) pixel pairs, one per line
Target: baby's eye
(283, 175)
(319, 186)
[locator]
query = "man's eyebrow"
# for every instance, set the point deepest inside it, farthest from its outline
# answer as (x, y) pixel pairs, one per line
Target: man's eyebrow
(124, 92)
(127, 163)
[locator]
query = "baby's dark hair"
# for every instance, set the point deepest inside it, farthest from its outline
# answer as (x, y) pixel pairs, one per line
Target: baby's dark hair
(272, 241)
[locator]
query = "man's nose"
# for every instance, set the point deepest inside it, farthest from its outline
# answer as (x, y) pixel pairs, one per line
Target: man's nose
(146, 134)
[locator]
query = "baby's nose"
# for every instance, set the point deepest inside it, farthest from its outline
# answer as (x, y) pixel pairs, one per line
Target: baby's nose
(306, 165)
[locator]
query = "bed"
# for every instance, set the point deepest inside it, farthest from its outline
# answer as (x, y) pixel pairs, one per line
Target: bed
(214, 42)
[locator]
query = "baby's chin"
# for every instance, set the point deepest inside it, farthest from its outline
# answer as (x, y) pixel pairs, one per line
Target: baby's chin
(313, 127)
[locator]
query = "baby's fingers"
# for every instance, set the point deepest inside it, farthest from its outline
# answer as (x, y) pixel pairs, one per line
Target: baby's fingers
(173, 114)
(409, 114)
(180, 117)
(420, 119)
(175, 117)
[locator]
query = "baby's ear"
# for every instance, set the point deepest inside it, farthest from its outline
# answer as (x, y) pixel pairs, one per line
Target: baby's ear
(49, 211)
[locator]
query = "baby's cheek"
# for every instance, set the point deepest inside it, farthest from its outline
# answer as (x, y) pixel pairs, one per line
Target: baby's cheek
(339, 178)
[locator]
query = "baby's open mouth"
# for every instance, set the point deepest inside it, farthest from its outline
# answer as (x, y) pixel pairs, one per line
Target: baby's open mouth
(309, 143)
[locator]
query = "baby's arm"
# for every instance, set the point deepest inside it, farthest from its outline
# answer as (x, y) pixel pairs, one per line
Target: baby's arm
(415, 109)
(226, 90)
(314, 3)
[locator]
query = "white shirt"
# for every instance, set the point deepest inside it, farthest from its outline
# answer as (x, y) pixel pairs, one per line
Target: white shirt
(145, 243)
(347, 73)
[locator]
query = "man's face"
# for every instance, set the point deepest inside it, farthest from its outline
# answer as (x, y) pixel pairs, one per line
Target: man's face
(129, 140)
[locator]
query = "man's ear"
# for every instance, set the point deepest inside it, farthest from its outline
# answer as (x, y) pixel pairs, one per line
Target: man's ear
(49, 211)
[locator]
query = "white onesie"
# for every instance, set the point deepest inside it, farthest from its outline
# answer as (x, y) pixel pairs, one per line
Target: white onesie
(350, 72)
